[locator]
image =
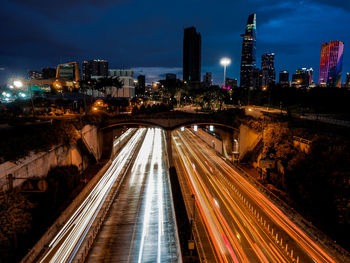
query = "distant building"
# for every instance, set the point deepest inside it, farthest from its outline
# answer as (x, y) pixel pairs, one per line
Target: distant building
(231, 83)
(95, 68)
(34, 74)
(347, 83)
(192, 55)
(302, 78)
(284, 77)
(331, 63)
(141, 85)
(248, 57)
(126, 76)
(48, 73)
(170, 76)
(208, 79)
(68, 75)
(268, 69)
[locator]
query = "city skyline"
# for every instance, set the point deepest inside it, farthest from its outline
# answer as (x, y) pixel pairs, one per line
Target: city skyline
(156, 42)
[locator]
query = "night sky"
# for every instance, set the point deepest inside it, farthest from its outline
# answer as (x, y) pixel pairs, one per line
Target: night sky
(147, 35)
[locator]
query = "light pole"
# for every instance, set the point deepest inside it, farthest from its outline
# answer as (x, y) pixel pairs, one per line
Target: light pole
(225, 62)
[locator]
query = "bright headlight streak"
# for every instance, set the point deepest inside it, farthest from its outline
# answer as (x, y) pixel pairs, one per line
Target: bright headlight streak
(71, 235)
(213, 226)
(144, 152)
(155, 179)
(158, 144)
(149, 194)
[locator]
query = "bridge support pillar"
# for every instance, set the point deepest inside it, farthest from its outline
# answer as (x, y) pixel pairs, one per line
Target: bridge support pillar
(169, 148)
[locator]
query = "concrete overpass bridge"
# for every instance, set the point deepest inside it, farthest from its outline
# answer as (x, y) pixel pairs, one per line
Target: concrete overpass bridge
(225, 123)
(173, 120)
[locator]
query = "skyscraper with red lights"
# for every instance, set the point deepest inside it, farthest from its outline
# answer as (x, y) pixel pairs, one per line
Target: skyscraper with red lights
(331, 63)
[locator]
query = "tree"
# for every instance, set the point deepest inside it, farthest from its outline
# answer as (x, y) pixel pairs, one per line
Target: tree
(15, 217)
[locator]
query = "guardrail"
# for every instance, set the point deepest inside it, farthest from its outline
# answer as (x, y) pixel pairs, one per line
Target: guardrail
(341, 254)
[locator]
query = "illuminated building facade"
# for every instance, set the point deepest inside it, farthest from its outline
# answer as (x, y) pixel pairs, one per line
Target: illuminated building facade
(192, 55)
(248, 57)
(67, 76)
(331, 63)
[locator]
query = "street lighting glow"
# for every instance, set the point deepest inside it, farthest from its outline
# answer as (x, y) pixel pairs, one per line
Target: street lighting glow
(18, 84)
(225, 61)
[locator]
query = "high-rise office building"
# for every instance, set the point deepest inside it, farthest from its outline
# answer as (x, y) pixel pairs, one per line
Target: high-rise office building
(331, 63)
(268, 69)
(192, 48)
(95, 68)
(208, 79)
(284, 77)
(248, 59)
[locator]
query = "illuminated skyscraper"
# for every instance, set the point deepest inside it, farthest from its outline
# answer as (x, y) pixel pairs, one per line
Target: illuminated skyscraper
(192, 54)
(248, 59)
(331, 63)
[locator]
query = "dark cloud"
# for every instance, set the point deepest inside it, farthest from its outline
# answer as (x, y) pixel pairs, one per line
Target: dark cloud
(342, 4)
(149, 33)
(57, 6)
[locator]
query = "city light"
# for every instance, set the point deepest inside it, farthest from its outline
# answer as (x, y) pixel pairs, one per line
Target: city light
(195, 128)
(211, 128)
(225, 62)
(18, 84)
(182, 129)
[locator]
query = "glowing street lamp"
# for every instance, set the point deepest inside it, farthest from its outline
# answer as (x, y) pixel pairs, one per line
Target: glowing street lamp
(225, 62)
(18, 84)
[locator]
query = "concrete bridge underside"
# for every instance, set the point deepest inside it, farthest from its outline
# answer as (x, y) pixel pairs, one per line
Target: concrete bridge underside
(169, 123)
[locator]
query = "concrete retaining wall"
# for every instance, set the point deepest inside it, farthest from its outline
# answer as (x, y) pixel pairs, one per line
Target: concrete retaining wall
(247, 140)
(39, 164)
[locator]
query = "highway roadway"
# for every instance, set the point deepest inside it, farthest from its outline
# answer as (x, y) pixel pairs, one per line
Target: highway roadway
(66, 243)
(140, 226)
(242, 224)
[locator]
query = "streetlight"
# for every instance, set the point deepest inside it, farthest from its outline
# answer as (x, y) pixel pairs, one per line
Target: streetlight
(18, 84)
(225, 62)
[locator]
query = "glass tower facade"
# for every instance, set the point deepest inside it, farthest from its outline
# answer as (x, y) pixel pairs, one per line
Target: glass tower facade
(248, 58)
(192, 55)
(331, 63)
